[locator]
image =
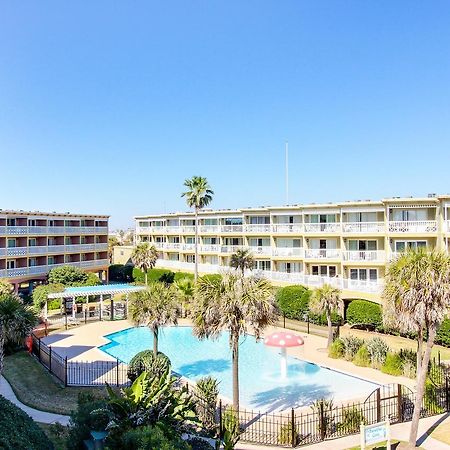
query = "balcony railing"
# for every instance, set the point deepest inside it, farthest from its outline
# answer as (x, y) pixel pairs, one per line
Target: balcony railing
(231, 228)
(261, 250)
(188, 247)
(363, 227)
(210, 248)
(45, 249)
(364, 255)
(287, 228)
(254, 228)
(288, 251)
(35, 231)
(230, 248)
(322, 227)
(209, 228)
(422, 226)
(322, 253)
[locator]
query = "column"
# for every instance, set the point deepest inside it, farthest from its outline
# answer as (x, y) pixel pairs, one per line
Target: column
(101, 307)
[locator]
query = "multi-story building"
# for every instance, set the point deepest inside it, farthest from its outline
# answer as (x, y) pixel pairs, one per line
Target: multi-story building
(346, 244)
(32, 243)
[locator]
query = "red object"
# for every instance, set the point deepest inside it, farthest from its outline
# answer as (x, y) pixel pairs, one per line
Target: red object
(29, 343)
(283, 339)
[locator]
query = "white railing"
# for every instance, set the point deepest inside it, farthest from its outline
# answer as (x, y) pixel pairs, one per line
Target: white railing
(188, 229)
(257, 228)
(364, 255)
(287, 228)
(44, 249)
(209, 248)
(169, 245)
(322, 253)
(288, 251)
(422, 226)
(16, 251)
(173, 229)
(363, 227)
(209, 228)
(231, 228)
(230, 248)
(448, 226)
(188, 247)
(322, 227)
(261, 250)
(26, 230)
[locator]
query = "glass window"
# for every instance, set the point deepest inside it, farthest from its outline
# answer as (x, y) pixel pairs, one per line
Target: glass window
(332, 271)
(32, 262)
(353, 274)
(11, 243)
(32, 242)
(315, 270)
(50, 260)
(323, 271)
(373, 274)
(11, 222)
(11, 264)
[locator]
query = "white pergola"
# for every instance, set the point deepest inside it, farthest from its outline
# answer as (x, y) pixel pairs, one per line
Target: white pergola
(103, 290)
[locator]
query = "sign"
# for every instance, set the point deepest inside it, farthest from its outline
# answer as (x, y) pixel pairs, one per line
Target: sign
(376, 433)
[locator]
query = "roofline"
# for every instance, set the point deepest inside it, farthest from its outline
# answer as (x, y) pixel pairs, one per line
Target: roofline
(51, 214)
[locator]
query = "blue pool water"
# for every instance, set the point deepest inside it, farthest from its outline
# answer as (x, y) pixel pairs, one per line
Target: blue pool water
(261, 386)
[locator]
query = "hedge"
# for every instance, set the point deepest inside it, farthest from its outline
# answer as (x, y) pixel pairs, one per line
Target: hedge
(443, 334)
(293, 301)
(18, 430)
(121, 272)
(165, 275)
(363, 312)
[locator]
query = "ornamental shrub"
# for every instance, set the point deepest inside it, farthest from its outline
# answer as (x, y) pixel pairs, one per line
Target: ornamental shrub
(337, 349)
(362, 357)
(321, 319)
(352, 418)
(146, 361)
(293, 301)
(378, 350)
(351, 346)
(285, 435)
(393, 364)
(67, 276)
(40, 294)
(18, 430)
(443, 334)
(121, 272)
(363, 312)
(151, 437)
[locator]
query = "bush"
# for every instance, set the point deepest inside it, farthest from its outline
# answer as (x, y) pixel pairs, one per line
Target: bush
(362, 312)
(151, 437)
(54, 304)
(181, 275)
(393, 364)
(67, 276)
(443, 334)
(351, 420)
(198, 443)
(362, 357)
(18, 430)
(337, 349)
(351, 346)
(146, 361)
(378, 350)
(321, 319)
(293, 301)
(212, 277)
(121, 272)
(285, 435)
(40, 294)
(207, 393)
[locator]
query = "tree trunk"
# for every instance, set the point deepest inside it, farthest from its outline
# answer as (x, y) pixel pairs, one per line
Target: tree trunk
(420, 389)
(2, 345)
(145, 275)
(235, 363)
(155, 340)
(196, 246)
(330, 330)
(419, 351)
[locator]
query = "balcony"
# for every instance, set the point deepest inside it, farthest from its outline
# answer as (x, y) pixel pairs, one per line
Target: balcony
(287, 228)
(322, 253)
(46, 249)
(188, 247)
(364, 255)
(231, 228)
(230, 248)
(422, 226)
(37, 231)
(168, 245)
(209, 228)
(209, 248)
(322, 227)
(288, 251)
(448, 226)
(261, 250)
(250, 228)
(363, 227)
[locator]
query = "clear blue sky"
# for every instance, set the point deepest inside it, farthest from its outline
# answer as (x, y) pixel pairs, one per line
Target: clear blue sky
(106, 107)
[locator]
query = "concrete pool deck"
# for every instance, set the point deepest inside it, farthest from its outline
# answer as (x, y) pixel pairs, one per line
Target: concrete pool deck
(80, 344)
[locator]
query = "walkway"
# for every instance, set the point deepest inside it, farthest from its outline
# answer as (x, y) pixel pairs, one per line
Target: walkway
(35, 414)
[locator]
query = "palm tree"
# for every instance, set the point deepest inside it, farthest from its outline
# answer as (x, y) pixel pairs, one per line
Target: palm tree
(185, 291)
(416, 298)
(16, 322)
(5, 287)
(326, 299)
(242, 259)
(144, 257)
(198, 195)
(237, 305)
(154, 308)
(112, 242)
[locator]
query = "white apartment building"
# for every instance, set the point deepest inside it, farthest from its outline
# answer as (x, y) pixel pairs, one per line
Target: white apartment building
(346, 244)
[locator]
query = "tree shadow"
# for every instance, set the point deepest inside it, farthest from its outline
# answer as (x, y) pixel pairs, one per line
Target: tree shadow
(72, 351)
(204, 367)
(52, 338)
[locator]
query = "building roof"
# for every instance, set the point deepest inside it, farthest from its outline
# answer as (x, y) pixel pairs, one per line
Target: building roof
(103, 289)
(21, 212)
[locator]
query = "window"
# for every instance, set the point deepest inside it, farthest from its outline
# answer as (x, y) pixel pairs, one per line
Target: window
(401, 246)
(11, 222)
(11, 243)
(31, 222)
(83, 240)
(364, 274)
(144, 224)
(82, 223)
(362, 217)
(11, 264)
(361, 245)
(51, 260)
(324, 271)
(260, 220)
(32, 262)
(233, 221)
(262, 265)
(51, 223)
(32, 242)
(51, 241)
(68, 240)
(409, 215)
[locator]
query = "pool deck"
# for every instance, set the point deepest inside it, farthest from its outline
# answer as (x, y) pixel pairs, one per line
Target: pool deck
(80, 344)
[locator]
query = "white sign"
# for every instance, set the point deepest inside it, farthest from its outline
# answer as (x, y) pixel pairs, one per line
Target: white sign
(376, 433)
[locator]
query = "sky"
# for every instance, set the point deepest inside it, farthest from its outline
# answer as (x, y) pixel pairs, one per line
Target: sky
(106, 107)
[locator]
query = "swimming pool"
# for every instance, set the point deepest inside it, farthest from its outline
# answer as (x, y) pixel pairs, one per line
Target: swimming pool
(261, 386)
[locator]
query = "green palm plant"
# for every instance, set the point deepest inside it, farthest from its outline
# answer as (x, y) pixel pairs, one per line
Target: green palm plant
(416, 298)
(144, 257)
(5, 287)
(237, 305)
(16, 322)
(155, 307)
(242, 259)
(198, 195)
(185, 292)
(326, 299)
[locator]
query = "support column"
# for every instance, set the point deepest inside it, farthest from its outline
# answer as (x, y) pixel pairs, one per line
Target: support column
(46, 310)
(101, 307)
(74, 307)
(126, 305)
(112, 308)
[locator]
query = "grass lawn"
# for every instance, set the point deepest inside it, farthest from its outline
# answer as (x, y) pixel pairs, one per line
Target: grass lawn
(35, 387)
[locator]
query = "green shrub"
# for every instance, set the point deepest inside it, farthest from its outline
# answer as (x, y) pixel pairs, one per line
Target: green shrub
(285, 435)
(40, 294)
(54, 304)
(181, 275)
(146, 361)
(351, 346)
(393, 364)
(231, 428)
(293, 301)
(362, 357)
(207, 393)
(351, 420)
(443, 334)
(337, 349)
(378, 350)
(156, 274)
(18, 430)
(321, 319)
(151, 437)
(323, 408)
(212, 277)
(431, 398)
(121, 272)
(198, 443)
(67, 276)
(363, 312)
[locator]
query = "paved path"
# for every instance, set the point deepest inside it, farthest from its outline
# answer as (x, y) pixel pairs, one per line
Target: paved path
(35, 414)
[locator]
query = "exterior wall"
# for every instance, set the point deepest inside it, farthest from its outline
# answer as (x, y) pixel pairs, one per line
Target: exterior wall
(122, 254)
(32, 243)
(346, 244)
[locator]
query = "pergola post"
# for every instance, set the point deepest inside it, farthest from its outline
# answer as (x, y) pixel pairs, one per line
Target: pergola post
(112, 308)
(74, 308)
(126, 305)
(101, 307)
(46, 310)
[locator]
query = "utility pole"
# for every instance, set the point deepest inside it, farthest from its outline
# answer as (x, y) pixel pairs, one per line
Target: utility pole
(287, 172)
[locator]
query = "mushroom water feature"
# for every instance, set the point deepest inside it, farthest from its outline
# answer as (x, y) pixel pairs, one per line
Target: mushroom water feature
(283, 340)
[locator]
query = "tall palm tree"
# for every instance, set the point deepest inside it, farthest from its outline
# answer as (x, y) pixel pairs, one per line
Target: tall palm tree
(242, 259)
(155, 307)
(144, 257)
(16, 322)
(326, 299)
(416, 298)
(198, 195)
(237, 305)
(185, 292)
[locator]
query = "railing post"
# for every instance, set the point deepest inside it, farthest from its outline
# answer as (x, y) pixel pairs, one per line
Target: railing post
(322, 423)
(50, 359)
(117, 373)
(39, 349)
(220, 420)
(399, 403)
(307, 322)
(284, 320)
(293, 428)
(65, 371)
(378, 397)
(447, 395)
